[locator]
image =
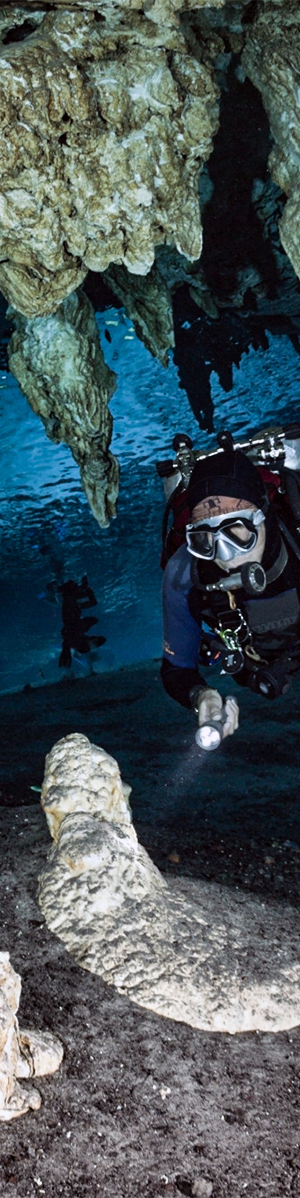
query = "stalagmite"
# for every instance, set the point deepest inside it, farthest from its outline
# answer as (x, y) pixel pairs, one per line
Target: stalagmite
(22, 1054)
(193, 951)
(272, 60)
(107, 121)
(60, 367)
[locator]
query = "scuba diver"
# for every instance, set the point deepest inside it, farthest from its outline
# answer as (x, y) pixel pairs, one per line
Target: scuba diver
(231, 591)
(76, 597)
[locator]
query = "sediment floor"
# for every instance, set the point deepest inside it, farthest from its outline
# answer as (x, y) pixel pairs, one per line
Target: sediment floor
(143, 1107)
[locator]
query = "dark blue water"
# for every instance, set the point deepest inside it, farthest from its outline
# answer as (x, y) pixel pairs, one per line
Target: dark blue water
(48, 533)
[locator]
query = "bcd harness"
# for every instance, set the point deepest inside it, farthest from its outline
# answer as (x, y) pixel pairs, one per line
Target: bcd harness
(229, 632)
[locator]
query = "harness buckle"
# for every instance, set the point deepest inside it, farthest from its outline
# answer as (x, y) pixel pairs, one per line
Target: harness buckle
(232, 603)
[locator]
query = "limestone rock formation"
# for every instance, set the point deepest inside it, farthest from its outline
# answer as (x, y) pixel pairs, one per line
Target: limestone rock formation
(162, 11)
(60, 367)
(75, 767)
(147, 302)
(22, 1054)
(176, 270)
(192, 951)
(272, 60)
(107, 120)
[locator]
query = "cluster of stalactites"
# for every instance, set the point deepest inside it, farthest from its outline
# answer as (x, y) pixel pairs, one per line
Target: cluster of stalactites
(106, 121)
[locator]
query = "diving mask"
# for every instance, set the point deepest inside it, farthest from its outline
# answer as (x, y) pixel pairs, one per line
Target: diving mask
(224, 537)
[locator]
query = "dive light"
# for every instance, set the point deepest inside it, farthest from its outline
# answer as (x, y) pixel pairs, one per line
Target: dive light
(210, 733)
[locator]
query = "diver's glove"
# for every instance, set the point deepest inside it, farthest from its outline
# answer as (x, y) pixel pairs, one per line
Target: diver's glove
(216, 717)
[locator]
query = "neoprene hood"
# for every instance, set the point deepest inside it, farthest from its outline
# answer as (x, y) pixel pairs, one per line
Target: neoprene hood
(227, 473)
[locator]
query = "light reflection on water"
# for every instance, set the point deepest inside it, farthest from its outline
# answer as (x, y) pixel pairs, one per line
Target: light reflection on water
(48, 532)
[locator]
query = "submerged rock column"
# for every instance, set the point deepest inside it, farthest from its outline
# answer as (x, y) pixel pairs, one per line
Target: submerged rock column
(59, 365)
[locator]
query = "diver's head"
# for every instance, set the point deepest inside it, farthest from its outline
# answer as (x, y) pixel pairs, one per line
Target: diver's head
(227, 531)
(227, 504)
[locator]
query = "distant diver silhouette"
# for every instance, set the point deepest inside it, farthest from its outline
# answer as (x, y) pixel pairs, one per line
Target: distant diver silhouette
(75, 597)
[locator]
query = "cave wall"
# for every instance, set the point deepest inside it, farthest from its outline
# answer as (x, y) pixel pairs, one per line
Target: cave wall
(272, 60)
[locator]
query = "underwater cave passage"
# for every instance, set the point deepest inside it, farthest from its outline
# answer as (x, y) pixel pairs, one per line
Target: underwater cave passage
(248, 275)
(233, 234)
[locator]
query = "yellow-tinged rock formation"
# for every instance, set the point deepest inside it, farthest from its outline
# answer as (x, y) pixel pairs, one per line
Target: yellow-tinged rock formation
(162, 11)
(147, 302)
(60, 367)
(187, 949)
(272, 60)
(22, 1054)
(105, 124)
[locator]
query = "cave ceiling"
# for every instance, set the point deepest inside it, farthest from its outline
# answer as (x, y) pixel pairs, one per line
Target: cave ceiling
(105, 126)
(149, 151)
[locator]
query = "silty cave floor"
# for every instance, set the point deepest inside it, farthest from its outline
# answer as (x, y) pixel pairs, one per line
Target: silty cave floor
(142, 1106)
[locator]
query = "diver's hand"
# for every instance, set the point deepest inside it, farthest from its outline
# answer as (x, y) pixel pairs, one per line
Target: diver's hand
(231, 711)
(212, 707)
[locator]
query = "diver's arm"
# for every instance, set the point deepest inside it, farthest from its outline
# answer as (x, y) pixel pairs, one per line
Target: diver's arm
(182, 634)
(179, 681)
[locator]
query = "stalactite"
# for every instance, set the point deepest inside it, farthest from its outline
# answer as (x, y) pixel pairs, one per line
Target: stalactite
(60, 368)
